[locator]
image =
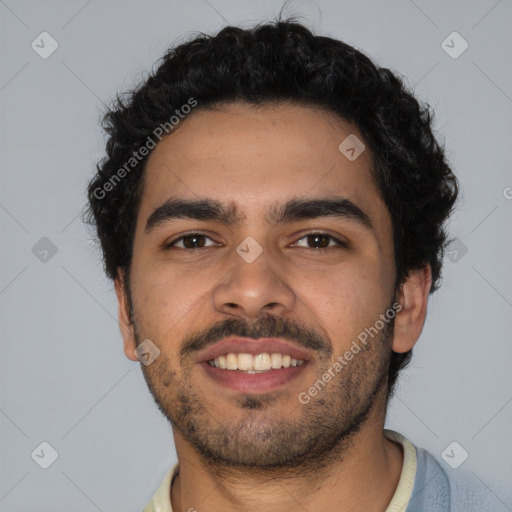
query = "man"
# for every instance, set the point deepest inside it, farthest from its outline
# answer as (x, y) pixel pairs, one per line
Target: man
(272, 210)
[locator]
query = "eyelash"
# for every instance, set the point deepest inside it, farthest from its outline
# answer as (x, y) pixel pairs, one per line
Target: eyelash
(339, 242)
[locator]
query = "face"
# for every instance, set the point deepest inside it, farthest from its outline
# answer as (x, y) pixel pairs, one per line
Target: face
(261, 254)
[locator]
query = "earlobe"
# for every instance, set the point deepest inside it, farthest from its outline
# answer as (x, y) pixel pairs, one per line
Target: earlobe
(413, 298)
(125, 323)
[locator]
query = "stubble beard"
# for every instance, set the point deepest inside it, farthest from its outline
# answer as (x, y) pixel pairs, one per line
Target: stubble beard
(260, 436)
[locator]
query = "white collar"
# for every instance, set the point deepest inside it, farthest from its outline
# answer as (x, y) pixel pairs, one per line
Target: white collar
(161, 501)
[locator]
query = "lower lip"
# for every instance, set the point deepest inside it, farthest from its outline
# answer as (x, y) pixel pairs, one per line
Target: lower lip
(253, 382)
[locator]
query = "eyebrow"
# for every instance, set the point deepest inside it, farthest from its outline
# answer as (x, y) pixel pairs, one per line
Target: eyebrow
(293, 210)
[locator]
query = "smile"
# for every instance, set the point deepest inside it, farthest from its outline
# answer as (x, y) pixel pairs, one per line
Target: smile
(259, 363)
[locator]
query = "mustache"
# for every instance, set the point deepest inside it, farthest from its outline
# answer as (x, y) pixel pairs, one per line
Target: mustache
(268, 326)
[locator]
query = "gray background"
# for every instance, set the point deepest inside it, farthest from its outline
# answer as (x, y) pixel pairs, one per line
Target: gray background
(64, 378)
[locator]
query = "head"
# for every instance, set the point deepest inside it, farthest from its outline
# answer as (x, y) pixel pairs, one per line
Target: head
(270, 183)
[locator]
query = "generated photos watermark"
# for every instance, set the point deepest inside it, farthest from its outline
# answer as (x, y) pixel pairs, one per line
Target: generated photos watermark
(342, 361)
(159, 132)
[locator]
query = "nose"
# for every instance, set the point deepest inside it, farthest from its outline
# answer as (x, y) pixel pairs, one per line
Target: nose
(252, 289)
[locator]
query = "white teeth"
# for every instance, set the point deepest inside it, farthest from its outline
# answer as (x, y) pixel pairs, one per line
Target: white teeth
(245, 362)
(231, 362)
(276, 361)
(262, 362)
(252, 364)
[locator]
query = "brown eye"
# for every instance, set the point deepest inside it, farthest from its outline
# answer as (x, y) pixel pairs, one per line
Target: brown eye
(191, 241)
(194, 241)
(319, 241)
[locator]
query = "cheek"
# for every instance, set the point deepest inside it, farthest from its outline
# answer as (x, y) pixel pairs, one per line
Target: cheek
(345, 301)
(164, 302)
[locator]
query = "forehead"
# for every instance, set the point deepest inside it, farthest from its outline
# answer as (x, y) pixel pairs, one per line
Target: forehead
(251, 156)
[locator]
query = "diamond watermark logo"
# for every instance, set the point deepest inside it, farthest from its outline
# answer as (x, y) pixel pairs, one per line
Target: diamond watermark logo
(454, 455)
(456, 250)
(146, 352)
(249, 249)
(44, 455)
(454, 45)
(44, 250)
(44, 45)
(352, 147)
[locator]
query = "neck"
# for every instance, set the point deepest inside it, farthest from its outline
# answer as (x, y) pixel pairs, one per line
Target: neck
(361, 475)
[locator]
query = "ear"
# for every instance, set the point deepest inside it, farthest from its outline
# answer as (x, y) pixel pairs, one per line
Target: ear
(125, 323)
(413, 298)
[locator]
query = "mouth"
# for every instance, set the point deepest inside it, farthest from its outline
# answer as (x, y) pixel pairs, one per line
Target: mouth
(260, 363)
(254, 366)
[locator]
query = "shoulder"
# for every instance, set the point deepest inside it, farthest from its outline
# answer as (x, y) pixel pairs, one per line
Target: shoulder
(469, 493)
(439, 488)
(432, 490)
(450, 490)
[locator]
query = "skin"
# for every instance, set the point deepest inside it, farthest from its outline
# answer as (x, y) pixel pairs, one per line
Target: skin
(329, 454)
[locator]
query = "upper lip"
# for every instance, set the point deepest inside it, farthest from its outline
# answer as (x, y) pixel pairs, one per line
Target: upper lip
(254, 347)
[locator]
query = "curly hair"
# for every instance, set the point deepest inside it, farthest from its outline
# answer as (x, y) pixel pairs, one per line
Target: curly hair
(283, 61)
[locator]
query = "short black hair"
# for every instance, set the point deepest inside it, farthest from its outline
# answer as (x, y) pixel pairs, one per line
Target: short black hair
(282, 61)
